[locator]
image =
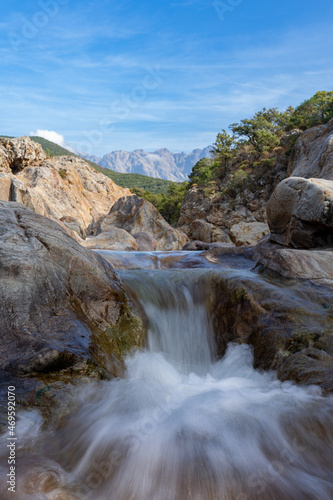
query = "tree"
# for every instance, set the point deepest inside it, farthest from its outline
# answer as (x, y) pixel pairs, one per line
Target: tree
(201, 172)
(224, 150)
(168, 204)
(261, 131)
(171, 203)
(285, 120)
(314, 111)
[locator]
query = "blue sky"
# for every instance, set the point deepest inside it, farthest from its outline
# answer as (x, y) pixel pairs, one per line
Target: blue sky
(123, 74)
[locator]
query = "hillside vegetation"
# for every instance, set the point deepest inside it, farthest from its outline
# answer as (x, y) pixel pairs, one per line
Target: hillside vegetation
(51, 148)
(257, 145)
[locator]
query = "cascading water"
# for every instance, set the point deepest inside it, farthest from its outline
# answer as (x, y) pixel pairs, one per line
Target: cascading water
(178, 323)
(182, 425)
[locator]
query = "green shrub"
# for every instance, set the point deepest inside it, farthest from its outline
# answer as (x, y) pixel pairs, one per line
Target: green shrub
(63, 173)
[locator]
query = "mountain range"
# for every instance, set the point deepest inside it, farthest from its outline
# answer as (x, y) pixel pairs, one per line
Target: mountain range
(161, 163)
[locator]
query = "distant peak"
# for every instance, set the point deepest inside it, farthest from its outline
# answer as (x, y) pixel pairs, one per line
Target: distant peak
(162, 150)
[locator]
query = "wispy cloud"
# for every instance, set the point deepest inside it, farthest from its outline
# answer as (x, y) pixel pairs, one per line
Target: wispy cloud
(53, 136)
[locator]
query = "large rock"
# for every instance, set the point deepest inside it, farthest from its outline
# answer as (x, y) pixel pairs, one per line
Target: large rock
(136, 215)
(193, 207)
(315, 266)
(114, 239)
(300, 213)
(63, 315)
(313, 153)
(68, 186)
(60, 188)
(283, 309)
(248, 233)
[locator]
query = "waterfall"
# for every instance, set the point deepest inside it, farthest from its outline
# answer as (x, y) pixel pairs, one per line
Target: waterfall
(178, 323)
(182, 425)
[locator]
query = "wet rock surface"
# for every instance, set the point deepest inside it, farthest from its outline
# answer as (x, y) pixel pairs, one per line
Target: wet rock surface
(64, 314)
(198, 245)
(282, 306)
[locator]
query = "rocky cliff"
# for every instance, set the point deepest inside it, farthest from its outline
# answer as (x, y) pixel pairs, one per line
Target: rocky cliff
(65, 189)
(234, 210)
(300, 211)
(312, 155)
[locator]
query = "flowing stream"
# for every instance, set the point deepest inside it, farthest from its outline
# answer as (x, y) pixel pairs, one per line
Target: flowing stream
(183, 425)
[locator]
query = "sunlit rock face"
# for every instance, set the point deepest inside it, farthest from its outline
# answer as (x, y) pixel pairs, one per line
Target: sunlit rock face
(313, 153)
(19, 153)
(59, 188)
(300, 213)
(137, 215)
(112, 239)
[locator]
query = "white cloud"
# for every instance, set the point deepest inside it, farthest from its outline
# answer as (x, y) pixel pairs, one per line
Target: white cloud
(53, 136)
